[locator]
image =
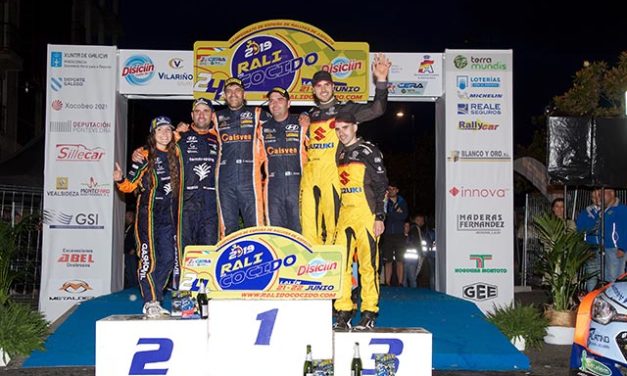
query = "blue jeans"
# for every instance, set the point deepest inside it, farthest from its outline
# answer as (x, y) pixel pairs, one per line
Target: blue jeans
(614, 267)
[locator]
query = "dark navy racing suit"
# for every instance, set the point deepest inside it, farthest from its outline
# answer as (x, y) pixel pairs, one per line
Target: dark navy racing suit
(198, 224)
(154, 225)
(285, 151)
(239, 170)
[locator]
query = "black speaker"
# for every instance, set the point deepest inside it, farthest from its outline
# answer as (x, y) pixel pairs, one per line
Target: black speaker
(587, 151)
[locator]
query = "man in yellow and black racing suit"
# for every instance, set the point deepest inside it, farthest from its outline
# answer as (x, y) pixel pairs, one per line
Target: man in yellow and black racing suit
(319, 192)
(363, 184)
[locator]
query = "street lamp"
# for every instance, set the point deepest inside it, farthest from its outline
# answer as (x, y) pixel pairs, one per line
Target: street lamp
(400, 114)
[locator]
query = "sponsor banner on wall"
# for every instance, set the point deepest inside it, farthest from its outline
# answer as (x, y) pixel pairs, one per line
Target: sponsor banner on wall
(78, 189)
(283, 53)
(156, 72)
(479, 176)
(413, 75)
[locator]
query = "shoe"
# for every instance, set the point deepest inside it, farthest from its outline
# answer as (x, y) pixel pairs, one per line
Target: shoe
(367, 321)
(343, 321)
(153, 310)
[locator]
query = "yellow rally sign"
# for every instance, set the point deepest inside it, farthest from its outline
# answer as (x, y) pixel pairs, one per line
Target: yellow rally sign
(281, 53)
(264, 263)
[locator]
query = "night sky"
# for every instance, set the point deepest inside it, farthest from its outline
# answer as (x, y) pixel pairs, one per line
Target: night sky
(550, 41)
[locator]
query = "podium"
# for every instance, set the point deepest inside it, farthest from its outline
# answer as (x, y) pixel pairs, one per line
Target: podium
(293, 284)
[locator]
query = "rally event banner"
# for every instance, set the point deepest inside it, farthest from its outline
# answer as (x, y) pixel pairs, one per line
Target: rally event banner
(283, 53)
(78, 188)
(264, 263)
(479, 177)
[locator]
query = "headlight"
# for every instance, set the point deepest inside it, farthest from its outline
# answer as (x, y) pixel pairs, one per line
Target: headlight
(411, 254)
(423, 245)
(602, 311)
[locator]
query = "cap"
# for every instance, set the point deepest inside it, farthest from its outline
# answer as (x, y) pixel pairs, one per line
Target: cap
(346, 117)
(321, 76)
(233, 81)
(280, 91)
(202, 101)
(159, 121)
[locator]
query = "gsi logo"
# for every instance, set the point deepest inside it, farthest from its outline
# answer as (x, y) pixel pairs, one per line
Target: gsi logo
(480, 291)
(161, 354)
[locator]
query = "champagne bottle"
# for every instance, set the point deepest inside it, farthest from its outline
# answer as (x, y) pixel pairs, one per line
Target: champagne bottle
(203, 301)
(356, 366)
(308, 369)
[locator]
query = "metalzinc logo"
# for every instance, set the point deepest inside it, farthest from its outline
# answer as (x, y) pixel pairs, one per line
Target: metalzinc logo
(480, 266)
(56, 59)
(138, 70)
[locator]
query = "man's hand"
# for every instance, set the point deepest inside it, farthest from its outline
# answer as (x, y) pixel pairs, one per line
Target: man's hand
(117, 173)
(378, 228)
(182, 127)
(138, 156)
(304, 120)
(620, 252)
(381, 67)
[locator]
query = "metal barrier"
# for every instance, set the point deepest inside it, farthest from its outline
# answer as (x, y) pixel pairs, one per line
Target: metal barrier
(528, 245)
(17, 203)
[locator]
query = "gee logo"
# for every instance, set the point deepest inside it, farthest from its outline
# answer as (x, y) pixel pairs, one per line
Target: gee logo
(249, 265)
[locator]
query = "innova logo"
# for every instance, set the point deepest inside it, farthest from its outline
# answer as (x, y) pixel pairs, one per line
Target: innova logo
(480, 192)
(138, 70)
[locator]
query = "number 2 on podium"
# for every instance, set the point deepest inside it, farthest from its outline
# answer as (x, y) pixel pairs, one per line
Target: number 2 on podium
(266, 325)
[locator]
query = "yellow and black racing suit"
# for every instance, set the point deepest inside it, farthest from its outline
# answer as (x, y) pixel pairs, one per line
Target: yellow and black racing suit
(363, 183)
(319, 193)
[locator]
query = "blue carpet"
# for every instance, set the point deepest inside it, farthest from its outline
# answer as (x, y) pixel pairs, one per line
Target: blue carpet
(462, 338)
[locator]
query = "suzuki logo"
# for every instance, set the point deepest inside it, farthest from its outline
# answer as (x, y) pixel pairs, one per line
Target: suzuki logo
(344, 177)
(320, 133)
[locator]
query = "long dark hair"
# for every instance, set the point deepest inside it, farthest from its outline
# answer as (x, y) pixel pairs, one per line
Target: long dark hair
(173, 161)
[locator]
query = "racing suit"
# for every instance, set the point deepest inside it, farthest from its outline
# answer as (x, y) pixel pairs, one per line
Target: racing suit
(239, 167)
(363, 184)
(285, 151)
(154, 224)
(319, 197)
(198, 223)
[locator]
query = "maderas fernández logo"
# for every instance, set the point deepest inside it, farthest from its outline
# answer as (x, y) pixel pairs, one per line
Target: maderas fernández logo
(249, 265)
(460, 61)
(263, 62)
(138, 70)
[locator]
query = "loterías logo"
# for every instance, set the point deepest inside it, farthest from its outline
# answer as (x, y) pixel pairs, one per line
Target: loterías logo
(78, 153)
